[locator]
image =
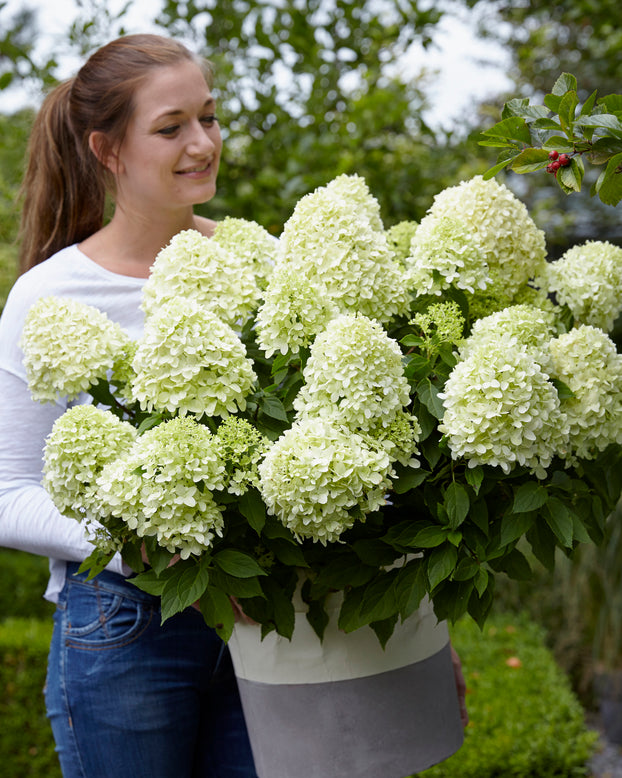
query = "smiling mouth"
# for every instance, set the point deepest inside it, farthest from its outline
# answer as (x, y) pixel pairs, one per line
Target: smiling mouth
(198, 169)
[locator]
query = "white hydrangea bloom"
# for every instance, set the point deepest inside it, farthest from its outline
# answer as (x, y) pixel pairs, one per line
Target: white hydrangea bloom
(354, 189)
(250, 242)
(399, 237)
(190, 361)
(67, 347)
(241, 447)
(513, 247)
(343, 256)
(399, 438)
(588, 279)
(317, 473)
(163, 486)
(293, 311)
(445, 251)
(355, 371)
(502, 410)
(517, 325)
(82, 441)
(586, 360)
(199, 268)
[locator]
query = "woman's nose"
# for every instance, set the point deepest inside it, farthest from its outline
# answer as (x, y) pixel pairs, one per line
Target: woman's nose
(201, 140)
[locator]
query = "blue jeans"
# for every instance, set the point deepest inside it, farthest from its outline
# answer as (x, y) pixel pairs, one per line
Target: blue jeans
(128, 696)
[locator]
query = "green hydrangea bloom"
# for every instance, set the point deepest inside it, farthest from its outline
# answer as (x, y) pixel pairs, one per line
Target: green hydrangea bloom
(517, 325)
(316, 475)
(199, 268)
(399, 438)
(293, 311)
(513, 247)
(164, 486)
(586, 360)
(354, 189)
(82, 441)
(241, 447)
(349, 262)
(399, 237)
(250, 242)
(502, 410)
(355, 372)
(68, 346)
(445, 320)
(588, 279)
(445, 251)
(190, 361)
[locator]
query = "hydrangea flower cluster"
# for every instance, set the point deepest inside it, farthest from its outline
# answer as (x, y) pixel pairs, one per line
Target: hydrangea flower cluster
(355, 374)
(399, 439)
(163, 486)
(354, 189)
(586, 360)
(82, 442)
(190, 361)
(399, 237)
(316, 476)
(445, 320)
(241, 447)
(588, 279)
(198, 268)
(294, 310)
(350, 262)
(250, 242)
(513, 247)
(445, 251)
(67, 347)
(517, 325)
(502, 410)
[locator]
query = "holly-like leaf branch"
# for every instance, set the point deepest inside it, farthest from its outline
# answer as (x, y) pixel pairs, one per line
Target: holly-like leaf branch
(560, 137)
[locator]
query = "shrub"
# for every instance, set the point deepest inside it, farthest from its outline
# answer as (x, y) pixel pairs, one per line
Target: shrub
(26, 744)
(23, 578)
(524, 719)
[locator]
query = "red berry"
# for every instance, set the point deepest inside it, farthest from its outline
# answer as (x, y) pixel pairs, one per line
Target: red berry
(553, 154)
(564, 160)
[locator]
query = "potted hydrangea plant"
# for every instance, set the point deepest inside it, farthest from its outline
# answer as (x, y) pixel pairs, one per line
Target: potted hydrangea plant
(349, 427)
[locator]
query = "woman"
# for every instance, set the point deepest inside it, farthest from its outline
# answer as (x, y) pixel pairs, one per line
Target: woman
(124, 694)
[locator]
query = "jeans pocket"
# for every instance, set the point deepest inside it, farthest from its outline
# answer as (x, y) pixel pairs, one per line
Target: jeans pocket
(99, 618)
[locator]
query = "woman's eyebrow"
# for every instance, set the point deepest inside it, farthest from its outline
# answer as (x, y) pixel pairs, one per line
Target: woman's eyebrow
(178, 112)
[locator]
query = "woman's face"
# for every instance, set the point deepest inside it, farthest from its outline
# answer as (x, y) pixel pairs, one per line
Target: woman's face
(170, 154)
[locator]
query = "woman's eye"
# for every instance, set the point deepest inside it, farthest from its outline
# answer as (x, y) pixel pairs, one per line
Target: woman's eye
(169, 130)
(209, 120)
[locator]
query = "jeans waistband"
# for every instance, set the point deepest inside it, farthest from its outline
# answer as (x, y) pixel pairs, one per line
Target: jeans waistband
(112, 582)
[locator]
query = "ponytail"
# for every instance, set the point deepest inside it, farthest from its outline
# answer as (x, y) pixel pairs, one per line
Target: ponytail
(63, 190)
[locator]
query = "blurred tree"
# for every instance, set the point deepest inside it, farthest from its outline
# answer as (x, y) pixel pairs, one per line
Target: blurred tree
(311, 90)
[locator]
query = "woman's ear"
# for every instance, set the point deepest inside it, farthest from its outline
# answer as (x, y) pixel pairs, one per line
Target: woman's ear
(99, 145)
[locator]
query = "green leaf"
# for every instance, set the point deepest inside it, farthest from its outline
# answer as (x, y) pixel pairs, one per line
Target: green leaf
(287, 553)
(572, 176)
(236, 587)
(432, 536)
(552, 102)
(441, 564)
(457, 503)
(317, 617)
(514, 526)
(184, 586)
(384, 629)
(515, 565)
(563, 390)
(374, 552)
(565, 83)
(345, 570)
(284, 612)
(159, 558)
(529, 160)
(559, 143)
(603, 121)
(492, 172)
(218, 612)
(252, 507)
(609, 184)
(428, 394)
(546, 124)
(507, 133)
(379, 600)
(566, 111)
(417, 367)
(410, 587)
(474, 477)
(543, 544)
(529, 497)
(560, 521)
(349, 614)
(588, 105)
(149, 582)
(237, 563)
(466, 568)
(410, 479)
(273, 408)
(95, 563)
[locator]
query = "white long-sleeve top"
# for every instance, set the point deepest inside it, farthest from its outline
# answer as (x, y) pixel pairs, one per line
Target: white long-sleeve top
(29, 521)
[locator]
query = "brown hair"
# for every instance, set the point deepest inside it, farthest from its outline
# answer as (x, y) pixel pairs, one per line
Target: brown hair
(65, 185)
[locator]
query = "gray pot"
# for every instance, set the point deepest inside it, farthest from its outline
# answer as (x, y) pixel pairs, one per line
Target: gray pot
(345, 707)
